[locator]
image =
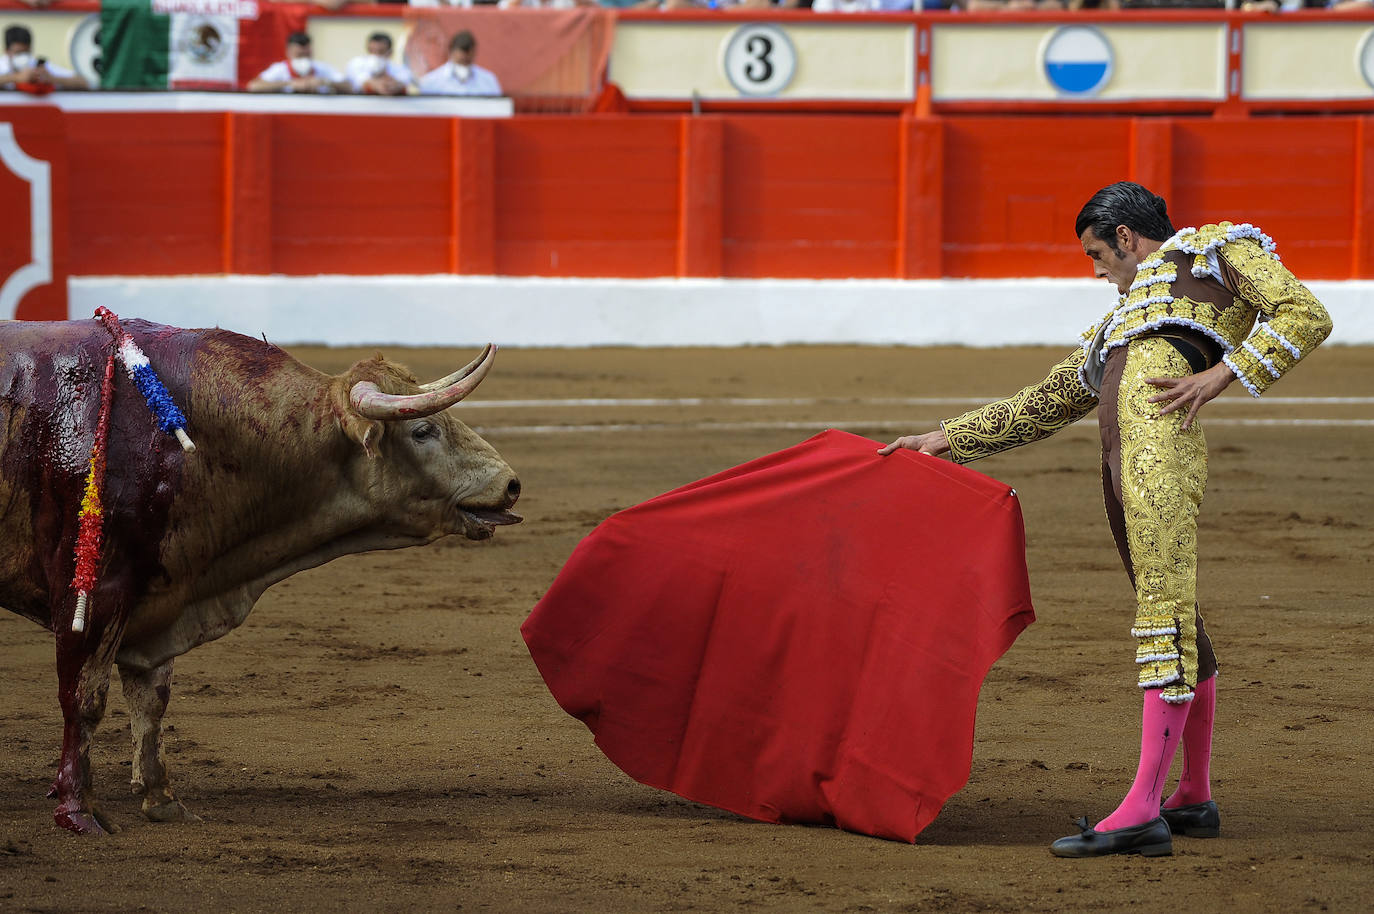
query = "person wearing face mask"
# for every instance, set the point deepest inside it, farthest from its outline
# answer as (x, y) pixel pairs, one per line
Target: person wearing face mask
(20, 69)
(375, 73)
(460, 76)
(300, 72)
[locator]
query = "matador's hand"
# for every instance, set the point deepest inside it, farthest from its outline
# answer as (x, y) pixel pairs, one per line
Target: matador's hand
(933, 443)
(1191, 391)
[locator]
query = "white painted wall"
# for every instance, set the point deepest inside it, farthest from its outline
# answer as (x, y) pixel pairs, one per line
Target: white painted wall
(472, 310)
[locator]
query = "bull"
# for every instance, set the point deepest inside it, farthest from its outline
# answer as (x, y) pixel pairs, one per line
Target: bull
(294, 468)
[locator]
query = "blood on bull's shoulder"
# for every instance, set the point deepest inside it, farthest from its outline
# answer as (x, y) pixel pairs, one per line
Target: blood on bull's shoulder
(292, 468)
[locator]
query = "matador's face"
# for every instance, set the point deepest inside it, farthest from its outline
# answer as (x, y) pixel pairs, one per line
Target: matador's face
(1116, 264)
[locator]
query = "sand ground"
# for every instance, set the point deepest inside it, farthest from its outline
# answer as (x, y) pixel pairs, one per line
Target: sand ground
(376, 738)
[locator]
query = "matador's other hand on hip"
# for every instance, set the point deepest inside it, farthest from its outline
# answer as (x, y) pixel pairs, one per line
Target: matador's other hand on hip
(933, 443)
(1191, 391)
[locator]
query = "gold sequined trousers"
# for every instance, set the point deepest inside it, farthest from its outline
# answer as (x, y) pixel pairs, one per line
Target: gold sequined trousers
(1154, 474)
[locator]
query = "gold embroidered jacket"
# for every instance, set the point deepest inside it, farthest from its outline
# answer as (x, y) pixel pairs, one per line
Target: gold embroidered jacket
(1292, 322)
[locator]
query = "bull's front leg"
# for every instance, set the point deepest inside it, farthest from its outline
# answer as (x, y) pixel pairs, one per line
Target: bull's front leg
(83, 683)
(147, 693)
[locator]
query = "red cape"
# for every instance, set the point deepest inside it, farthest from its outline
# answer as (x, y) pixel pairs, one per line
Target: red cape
(799, 639)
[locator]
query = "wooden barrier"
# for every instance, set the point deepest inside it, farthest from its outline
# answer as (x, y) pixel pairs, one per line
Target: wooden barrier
(740, 196)
(733, 195)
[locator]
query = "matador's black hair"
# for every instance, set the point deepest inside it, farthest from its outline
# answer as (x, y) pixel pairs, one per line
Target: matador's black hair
(1129, 204)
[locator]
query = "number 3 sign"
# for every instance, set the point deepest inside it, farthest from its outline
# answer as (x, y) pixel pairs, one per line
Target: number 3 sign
(759, 59)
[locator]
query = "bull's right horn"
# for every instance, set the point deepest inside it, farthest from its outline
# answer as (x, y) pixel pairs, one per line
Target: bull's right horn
(371, 403)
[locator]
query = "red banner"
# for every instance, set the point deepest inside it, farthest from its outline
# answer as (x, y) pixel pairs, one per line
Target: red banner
(546, 59)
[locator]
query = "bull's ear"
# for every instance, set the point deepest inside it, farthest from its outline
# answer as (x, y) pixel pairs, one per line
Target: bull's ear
(366, 432)
(363, 431)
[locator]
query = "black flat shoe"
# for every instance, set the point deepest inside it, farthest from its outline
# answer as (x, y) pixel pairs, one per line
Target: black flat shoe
(1201, 820)
(1149, 840)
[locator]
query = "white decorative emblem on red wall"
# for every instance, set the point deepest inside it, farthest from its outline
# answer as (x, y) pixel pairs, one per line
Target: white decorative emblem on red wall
(37, 174)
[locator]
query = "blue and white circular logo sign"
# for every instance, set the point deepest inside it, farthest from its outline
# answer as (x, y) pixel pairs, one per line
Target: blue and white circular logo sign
(1077, 60)
(1364, 57)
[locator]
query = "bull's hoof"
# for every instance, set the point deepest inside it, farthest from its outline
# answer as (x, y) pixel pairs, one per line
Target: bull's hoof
(84, 821)
(167, 809)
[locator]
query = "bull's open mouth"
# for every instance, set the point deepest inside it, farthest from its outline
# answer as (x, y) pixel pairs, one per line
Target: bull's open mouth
(492, 519)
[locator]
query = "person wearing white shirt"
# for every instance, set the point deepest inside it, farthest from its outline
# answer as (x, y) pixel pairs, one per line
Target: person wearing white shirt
(460, 76)
(20, 69)
(375, 73)
(299, 72)
(848, 6)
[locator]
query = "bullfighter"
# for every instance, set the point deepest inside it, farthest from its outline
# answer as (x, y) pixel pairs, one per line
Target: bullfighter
(1183, 329)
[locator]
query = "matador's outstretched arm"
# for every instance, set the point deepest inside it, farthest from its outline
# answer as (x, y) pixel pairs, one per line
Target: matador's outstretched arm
(1032, 413)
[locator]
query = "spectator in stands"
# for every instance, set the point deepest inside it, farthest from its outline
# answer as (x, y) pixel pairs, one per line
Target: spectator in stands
(460, 76)
(722, 4)
(1176, 4)
(545, 4)
(19, 69)
(375, 73)
(847, 6)
(299, 72)
(865, 6)
(1016, 6)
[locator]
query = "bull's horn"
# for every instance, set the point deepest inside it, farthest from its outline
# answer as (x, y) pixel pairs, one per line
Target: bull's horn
(371, 403)
(458, 375)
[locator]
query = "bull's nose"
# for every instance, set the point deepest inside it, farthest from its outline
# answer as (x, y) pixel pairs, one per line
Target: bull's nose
(512, 491)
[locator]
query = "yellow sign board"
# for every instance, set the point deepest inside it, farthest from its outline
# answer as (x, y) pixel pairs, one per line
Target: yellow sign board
(722, 60)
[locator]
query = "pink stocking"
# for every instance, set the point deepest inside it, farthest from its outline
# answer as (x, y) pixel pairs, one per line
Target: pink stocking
(1161, 726)
(1195, 785)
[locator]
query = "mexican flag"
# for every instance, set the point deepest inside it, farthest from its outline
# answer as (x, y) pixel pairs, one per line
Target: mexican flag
(192, 44)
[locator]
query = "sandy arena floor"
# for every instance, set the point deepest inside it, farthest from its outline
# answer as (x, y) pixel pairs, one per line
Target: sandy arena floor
(376, 738)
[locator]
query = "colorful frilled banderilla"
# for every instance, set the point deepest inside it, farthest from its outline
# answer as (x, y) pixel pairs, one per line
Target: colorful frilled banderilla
(169, 419)
(88, 532)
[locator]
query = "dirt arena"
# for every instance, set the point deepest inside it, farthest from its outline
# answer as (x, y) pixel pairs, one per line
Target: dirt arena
(376, 738)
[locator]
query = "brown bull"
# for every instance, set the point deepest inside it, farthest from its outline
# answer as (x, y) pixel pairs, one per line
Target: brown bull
(293, 468)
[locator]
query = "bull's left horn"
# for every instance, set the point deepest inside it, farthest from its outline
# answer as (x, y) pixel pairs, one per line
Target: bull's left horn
(458, 375)
(371, 403)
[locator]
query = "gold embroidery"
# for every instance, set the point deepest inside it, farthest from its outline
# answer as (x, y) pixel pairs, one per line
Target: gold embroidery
(1164, 469)
(1296, 319)
(1032, 413)
(1297, 322)
(1163, 476)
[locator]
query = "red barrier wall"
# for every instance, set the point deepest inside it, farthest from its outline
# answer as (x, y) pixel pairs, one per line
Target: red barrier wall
(573, 201)
(146, 193)
(809, 196)
(743, 195)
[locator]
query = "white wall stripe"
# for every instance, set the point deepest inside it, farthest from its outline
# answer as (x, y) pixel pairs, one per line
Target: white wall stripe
(532, 311)
(908, 426)
(626, 402)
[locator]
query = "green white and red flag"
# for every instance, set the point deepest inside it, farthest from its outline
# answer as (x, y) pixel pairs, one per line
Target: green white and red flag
(192, 44)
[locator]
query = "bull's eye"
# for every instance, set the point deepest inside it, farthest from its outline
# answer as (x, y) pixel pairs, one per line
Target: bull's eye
(423, 431)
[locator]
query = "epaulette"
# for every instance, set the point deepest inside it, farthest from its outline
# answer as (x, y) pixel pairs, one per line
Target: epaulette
(1201, 241)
